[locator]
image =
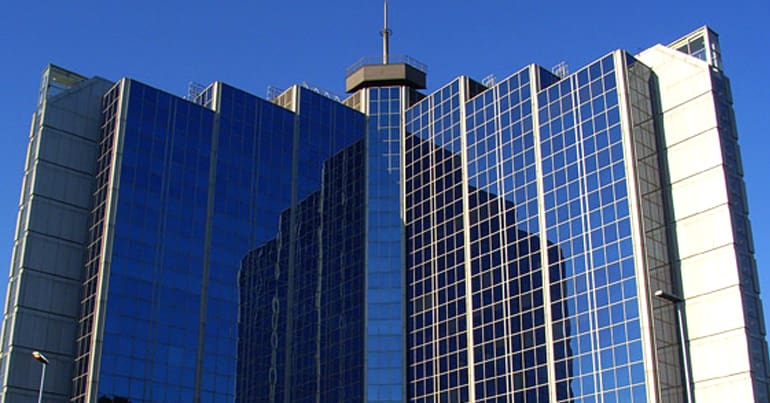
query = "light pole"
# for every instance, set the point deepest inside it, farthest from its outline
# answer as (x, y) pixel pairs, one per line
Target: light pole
(40, 357)
(678, 301)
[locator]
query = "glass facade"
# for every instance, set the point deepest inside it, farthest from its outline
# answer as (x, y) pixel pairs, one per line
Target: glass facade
(587, 214)
(384, 245)
(507, 284)
(522, 269)
(154, 276)
(327, 342)
(437, 333)
(188, 190)
(477, 244)
(521, 272)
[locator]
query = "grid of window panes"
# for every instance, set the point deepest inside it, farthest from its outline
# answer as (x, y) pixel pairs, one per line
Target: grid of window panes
(325, 127)
(327, 245)
(588, 228)
(276, 356)
(342, 279)
(155, 275)
(185, 221)
(437, 339)
(695, 47)
(646, 141)
(508, 309)
(384, 248)
(260, 293)
(702, 44)
(84, 355)
(304, 251)
(300, 327)
(255, 140)
(385, 116)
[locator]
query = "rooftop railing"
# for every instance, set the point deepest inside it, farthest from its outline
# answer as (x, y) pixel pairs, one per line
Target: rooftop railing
(392, 59)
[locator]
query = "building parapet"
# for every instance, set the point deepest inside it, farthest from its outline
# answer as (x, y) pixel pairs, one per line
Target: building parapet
(392, 59)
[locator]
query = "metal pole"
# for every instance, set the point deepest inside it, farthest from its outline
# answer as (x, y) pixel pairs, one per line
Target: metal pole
(42, 381)
(38, 356)
(685, 351)
(385, 37)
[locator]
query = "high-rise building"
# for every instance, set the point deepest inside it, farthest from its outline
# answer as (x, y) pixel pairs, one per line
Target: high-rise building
(547, 237)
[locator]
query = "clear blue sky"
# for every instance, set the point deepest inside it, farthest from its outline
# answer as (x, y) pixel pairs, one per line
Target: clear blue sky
(256, 44)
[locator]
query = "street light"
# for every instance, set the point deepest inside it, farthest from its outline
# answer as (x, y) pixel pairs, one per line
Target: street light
(678, 301)
(40, 357)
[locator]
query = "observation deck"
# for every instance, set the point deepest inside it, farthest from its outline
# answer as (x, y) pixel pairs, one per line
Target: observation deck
(370, 71)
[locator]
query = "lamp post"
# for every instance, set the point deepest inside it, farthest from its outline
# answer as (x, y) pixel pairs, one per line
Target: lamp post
(40, 357)
(678, 301)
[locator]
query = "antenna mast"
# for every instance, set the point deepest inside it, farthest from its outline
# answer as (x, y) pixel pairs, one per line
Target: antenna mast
(386, 32)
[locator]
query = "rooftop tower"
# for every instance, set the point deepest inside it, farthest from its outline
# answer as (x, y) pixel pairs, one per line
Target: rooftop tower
(394, 70)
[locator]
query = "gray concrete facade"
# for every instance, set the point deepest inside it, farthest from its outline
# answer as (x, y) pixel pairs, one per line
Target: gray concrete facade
(43, 299)
(713, 248)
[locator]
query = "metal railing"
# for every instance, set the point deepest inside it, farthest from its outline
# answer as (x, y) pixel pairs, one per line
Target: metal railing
(392, 59)
(321, 91)
(274, 92)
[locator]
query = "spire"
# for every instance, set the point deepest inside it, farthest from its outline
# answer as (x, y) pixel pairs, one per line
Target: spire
(386, 32)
